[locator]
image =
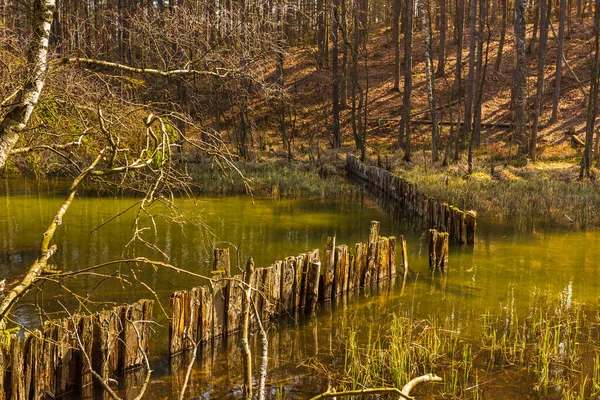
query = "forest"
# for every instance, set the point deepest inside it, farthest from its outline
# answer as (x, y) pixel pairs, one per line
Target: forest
(170, 150)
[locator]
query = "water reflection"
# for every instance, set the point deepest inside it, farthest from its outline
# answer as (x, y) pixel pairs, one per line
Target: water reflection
(505, 268)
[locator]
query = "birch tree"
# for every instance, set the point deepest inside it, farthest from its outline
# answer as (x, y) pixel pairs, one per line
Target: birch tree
(430, 83)
(15, 121)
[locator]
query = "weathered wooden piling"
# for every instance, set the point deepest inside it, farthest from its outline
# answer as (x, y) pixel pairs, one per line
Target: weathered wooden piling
(293, 285)
(312, 293)
(471, 226)
(434, 213)
(57, 359)
(329, 273)
(438, 250)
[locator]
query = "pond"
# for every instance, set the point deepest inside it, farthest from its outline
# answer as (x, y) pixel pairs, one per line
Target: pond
(505, 268)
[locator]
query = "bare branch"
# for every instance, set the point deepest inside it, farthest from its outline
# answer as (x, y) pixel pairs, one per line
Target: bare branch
(151, 71)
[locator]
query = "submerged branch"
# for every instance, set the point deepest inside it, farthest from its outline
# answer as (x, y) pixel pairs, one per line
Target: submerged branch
(404, 393)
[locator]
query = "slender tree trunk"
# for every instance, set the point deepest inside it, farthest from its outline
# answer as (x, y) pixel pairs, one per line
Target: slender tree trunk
(343, 26)
(502, 34)
(244, 342)
(320, 35)
(442, 45)
(467, 126)
(559, 59)
(15, 121)
(396, 7)
(545, 15)
(520, 76)
(536, 18)
(406, 104)
(479, 76)
(336, 78)
(586, 161)
(430, 84)
(459, 48)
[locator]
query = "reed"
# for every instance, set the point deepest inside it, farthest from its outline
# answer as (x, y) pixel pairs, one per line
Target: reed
(551, 347)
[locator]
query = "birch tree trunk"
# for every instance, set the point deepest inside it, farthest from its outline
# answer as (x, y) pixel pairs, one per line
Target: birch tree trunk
(430, 84)
(15, 121)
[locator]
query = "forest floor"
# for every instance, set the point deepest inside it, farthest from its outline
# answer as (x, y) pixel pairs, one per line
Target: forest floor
(503, 185)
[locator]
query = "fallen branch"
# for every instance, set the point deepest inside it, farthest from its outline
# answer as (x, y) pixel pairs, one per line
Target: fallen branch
(483, 124)
(404, 393)
(151, 71)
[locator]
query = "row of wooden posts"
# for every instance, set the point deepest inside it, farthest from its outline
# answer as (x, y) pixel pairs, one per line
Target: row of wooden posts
(460, 225)
(288, 287)
(58, 358)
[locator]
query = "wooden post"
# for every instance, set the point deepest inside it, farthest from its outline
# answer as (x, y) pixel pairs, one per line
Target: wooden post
(222, 264)
(471, 226)
(234, 305)
(178, 321)
(371, 273)
(432, 238)
(383, 261)
(340, 282)
(219, 294)
(404, 253)
(442, 251)
(438, 250)
(392, 255)
(287, 285)
(206, 315)
(312, 277)
(329, 273)
(135, 335)
(86, 335)
(361, 263)
(298, 281)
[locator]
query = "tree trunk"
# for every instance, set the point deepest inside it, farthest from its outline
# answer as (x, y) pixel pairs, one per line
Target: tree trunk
(520, 76)
(467, 126)
(342, 25)
(479, 76)
(430, 84)
(559, 58)
(502, 34)
(396, 7)
(405, 120)
(15, 121)
(536, 17)
(335, 75)
(442, 45)
(545, 15)
(320, 35)
(586, 161)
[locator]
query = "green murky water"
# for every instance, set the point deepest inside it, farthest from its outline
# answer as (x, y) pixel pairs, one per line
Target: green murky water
(505, 267)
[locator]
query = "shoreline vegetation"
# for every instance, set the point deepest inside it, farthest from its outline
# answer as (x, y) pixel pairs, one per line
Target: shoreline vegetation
(550, 351)
(536, 196)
